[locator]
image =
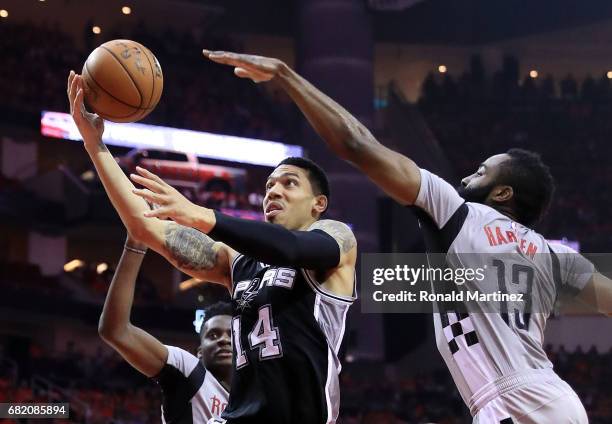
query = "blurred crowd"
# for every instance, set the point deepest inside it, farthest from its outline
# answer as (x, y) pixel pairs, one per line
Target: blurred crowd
(221, 199)
(104, 389)
(198, 94)
(101, 388)
(480, 113)
(433, 398)
(87, 282)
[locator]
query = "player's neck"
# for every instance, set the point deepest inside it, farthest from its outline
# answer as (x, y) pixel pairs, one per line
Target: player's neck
(506, 210)
(223, 376)
(307, 224)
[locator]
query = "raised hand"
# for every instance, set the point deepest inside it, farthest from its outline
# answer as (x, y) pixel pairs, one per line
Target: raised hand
(168, 202)
(90, 125)
(255, 68)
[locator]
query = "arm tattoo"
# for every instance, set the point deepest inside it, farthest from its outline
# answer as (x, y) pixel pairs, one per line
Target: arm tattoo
(190, 248)
(339, 231)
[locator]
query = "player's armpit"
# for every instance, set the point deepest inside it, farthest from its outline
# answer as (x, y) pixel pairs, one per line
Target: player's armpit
(196, 254)
(598, 294)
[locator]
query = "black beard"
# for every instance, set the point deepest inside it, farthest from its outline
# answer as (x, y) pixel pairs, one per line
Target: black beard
(475, 195)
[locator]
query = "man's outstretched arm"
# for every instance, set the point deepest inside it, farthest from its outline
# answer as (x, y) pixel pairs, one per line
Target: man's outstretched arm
(394, 173)
(139, 348)
(189, 250)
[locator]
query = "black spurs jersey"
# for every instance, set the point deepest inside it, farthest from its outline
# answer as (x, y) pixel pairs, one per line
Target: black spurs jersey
(287, 332)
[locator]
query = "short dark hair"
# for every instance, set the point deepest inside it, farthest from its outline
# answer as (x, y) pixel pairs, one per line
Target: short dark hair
(215, 309)
(532, 183)
(316, 175)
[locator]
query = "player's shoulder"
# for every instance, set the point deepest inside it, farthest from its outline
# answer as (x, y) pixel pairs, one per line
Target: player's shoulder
(330, 224)
(341, 232)
(481, 214)
(181, 359)
(480, 209)
(559, 248)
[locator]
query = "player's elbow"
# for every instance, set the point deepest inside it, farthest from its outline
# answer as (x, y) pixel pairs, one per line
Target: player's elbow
(105, 331)
(141, 231)
(110, 332)
(356, 145)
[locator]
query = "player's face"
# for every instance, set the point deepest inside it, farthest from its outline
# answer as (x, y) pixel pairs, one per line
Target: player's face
(478, 186)
(289, 199)
(216, 342)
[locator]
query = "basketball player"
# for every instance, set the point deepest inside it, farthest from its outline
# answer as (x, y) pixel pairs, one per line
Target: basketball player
(292, 278)
(194, 389)
(496, 360)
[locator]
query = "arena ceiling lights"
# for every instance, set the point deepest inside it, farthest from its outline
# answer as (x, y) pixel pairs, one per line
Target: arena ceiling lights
(208, 145)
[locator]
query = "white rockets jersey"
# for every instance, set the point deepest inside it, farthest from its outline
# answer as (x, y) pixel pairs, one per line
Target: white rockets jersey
(483, 349)
(190, 393)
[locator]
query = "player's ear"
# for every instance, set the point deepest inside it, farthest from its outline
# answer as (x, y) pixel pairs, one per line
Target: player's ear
(320, 203)
(502, 193)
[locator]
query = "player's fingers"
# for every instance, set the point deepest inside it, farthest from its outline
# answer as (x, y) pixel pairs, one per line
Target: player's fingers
(243, 73)
(251, 74)
(70, 78)
(149, 196)
(214, 54)
(161, 213)
(227, 58)
(148, 174)
(77, 102)
(154, 186)
(72, 90)
(222, 59)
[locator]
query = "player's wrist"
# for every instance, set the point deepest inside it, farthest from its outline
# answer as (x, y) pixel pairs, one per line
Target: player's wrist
(136, 249)
(93, 145)
(205, 219)
(285, 74)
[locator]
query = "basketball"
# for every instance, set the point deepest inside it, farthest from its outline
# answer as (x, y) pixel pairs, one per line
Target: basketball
(123, 81)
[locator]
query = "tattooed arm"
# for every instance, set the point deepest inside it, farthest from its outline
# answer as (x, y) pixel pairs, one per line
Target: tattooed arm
(192, 252)
(339, 231)
(196, 254)
(340, 280)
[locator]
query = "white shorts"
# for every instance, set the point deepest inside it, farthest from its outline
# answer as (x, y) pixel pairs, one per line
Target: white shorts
(552, 402)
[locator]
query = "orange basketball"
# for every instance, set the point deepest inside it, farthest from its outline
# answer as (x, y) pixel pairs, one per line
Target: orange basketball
(123, 81)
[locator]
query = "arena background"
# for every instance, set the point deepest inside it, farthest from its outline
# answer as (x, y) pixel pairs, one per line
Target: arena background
(445, 82)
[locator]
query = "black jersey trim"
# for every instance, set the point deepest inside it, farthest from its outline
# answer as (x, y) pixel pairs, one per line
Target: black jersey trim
(556, 268)
(232, 267)
(177, 392)
(317, 288)
(450, 230)
(439, 240)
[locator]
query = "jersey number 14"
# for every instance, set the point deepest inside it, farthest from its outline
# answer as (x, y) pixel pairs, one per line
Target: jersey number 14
(264, 336)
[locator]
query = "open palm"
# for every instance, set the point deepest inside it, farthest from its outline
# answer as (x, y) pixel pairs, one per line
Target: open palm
(90, 125)
(255, 68)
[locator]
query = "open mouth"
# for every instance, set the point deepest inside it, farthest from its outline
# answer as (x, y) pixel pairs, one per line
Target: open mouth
(273, 209)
